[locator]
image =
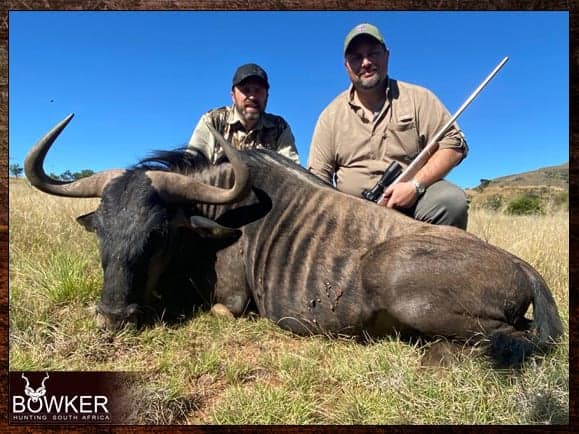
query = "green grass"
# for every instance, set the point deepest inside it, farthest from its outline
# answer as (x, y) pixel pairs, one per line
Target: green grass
(249, 371)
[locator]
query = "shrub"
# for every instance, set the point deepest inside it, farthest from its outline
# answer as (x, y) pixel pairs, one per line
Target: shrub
(525, 205)
(561, 201)
(494, 202)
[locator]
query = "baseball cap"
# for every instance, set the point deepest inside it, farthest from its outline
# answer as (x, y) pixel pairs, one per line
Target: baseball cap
(363, 29)
(250, 70)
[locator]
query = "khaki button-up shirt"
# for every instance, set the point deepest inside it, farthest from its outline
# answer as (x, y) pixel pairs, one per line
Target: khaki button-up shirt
(270, 132)
(352, 150)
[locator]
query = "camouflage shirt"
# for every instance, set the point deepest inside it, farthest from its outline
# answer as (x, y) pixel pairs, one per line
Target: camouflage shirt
(270, 132)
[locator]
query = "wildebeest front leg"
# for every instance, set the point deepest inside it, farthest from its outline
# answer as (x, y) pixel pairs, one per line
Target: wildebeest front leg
(231, 295)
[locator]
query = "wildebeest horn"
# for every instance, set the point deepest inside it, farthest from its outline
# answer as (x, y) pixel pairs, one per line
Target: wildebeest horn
(91, 186)
(175, 187)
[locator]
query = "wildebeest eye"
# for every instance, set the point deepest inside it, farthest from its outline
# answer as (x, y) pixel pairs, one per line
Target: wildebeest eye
(158, 242)
(155, 240)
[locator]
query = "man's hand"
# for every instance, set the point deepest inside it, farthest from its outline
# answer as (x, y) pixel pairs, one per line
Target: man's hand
(400, 195)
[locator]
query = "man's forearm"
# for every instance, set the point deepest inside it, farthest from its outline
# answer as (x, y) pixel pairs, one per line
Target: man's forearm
(438, 166)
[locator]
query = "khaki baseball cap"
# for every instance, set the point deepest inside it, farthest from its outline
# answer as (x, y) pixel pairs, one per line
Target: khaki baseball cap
(363, 29)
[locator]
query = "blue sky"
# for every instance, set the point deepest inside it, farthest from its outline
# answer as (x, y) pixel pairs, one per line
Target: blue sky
(139, 81)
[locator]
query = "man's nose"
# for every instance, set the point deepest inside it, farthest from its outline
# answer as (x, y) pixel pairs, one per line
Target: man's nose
(366, 61)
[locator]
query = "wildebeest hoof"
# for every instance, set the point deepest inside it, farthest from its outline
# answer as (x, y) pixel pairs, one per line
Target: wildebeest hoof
(101, 321)
(221, 311)
(440, 354)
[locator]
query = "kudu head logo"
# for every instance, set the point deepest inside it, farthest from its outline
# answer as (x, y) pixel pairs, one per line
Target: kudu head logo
(33, 394)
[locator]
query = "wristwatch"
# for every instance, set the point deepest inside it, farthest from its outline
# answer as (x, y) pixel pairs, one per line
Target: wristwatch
(420, 189)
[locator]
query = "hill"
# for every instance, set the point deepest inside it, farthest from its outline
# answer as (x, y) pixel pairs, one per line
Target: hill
(543, 190)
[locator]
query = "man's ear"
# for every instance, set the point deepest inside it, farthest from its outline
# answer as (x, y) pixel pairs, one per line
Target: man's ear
(207, 228)
(88, 221)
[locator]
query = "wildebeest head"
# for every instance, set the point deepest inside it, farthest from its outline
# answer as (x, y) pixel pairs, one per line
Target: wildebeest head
(139, 222)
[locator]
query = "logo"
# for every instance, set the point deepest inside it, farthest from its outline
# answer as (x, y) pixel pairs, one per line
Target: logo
(65, 397)
(35, 395)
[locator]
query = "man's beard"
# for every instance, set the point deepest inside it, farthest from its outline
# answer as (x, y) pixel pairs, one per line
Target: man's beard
(370, 83)
(249, 116)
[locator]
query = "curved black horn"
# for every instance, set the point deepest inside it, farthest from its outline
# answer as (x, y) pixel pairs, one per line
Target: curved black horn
(91, 186)
(176, 187)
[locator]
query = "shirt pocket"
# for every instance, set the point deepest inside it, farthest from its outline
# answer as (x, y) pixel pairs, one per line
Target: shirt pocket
(401, 140)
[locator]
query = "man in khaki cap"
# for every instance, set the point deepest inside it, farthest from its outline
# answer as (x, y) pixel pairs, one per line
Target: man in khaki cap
(380, 119)
(245, 124)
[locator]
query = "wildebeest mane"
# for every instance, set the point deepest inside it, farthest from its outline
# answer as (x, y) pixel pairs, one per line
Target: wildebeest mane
(178, 160)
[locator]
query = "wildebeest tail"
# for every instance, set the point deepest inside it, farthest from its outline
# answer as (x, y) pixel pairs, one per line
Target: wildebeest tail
(512, 349)
(546, 321)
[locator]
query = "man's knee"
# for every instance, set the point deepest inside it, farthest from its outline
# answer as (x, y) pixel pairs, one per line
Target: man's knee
(443, 203)
(456, 211)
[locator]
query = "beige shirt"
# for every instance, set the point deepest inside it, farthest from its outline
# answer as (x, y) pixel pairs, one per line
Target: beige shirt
(352, 150)
(270, 132)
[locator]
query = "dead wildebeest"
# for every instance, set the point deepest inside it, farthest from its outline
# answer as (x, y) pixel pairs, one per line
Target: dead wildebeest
(312, 259)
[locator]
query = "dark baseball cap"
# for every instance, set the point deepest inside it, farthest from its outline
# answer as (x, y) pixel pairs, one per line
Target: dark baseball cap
(250, 70)
(363, 29)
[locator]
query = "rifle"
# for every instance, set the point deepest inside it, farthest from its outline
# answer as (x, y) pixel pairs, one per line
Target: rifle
(394, 173)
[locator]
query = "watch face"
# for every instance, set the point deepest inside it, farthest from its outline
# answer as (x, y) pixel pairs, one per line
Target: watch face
(419, 188)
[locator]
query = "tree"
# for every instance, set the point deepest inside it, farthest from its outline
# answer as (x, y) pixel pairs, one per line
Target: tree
(484, 182)
(83, 173)
(67, 176)
(16, 170)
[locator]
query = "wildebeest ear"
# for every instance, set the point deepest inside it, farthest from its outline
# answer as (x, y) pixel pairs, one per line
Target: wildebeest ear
(88, 221)
(209, 229)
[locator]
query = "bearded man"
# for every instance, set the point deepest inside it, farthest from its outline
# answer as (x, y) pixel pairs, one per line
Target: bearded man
(245, 124)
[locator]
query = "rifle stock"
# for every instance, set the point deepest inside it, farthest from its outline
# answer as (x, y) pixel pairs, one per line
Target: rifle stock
(431, 147)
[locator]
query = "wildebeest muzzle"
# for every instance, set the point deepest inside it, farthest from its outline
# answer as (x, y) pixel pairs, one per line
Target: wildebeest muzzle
(115, 319)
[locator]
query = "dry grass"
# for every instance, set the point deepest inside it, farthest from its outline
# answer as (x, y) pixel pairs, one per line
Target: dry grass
(248, 371)
(543, 241)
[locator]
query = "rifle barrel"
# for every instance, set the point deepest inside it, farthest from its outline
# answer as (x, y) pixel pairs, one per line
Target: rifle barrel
(423, 156)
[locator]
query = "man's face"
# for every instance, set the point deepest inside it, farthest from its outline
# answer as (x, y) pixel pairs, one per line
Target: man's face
(250, 98)
(366, 62)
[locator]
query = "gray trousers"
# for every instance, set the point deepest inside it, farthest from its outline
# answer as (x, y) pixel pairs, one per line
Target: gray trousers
(443, 203)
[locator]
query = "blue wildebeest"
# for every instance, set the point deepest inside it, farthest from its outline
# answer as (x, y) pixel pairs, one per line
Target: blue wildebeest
(312, 259)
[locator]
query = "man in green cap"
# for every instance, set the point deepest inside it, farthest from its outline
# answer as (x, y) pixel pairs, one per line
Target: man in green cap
(380, 119)
(245, 124)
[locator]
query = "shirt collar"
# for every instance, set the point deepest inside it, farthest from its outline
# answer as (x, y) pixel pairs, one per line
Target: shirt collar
(353, 97)
(234, 119)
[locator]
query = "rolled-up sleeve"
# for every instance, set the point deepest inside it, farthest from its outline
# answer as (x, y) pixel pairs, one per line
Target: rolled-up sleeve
(321, 160)
(433, 115)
